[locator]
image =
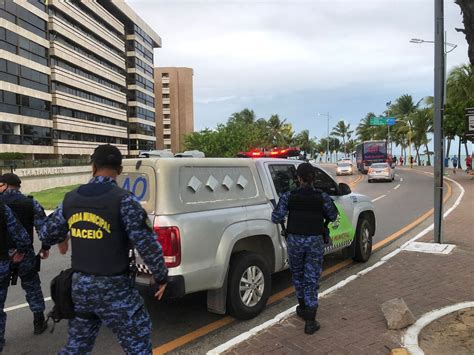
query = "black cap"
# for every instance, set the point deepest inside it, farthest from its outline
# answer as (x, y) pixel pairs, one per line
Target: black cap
(306, 172)
(107, 155)
(10, 179)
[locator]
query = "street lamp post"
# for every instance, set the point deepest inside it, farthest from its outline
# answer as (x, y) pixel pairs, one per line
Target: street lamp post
(328, 117)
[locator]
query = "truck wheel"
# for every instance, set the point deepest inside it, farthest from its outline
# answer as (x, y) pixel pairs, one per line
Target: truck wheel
(363, 241)
(249, 285)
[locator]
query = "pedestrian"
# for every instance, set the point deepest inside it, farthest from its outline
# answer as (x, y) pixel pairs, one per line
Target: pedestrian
(14, 244)
(411, 161)
(31, 215)
(468, 163)
(309, 210)
(102, 289)
(446, 162)
(395, 160)
(401, 160)
(455, 163)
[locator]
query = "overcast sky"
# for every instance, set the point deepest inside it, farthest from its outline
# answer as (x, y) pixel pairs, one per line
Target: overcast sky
(300, 58)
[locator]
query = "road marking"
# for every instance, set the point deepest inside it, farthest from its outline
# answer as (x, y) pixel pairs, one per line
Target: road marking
(23, 305)
(355, 182)
(378, 198)
(183, 340)
(396, 187)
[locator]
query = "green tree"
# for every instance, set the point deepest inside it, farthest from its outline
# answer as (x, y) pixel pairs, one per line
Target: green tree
(467, 9)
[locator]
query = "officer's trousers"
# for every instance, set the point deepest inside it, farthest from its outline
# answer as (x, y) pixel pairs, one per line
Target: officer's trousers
(305, 254)
(115, 303)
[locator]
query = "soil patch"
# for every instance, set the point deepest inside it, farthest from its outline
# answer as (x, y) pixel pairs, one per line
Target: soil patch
(451, 334)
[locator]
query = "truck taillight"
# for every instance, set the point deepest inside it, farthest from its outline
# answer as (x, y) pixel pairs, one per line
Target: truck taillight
(170, 241)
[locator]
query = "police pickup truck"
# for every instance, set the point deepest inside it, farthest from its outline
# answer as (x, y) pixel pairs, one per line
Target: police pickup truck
(212, 217)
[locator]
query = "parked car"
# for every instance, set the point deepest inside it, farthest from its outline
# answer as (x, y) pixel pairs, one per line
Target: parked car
(212, 217)
(344, 168)
(380, 171)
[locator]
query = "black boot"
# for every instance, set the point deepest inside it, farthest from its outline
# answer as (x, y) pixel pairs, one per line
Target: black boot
(39, 323)
(311, 325)
(300, 309)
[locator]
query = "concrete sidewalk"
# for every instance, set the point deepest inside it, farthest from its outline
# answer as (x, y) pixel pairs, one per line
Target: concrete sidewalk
(351, 318)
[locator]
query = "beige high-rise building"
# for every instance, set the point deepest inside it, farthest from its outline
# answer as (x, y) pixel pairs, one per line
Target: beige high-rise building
(75, 74)
(174, 107)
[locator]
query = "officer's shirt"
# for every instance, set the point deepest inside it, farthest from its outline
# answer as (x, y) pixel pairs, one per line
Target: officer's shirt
(55, 230)
(281, 210)
(16, 232)
(39, 216)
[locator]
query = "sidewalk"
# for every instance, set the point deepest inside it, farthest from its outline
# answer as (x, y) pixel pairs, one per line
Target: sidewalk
(351, 318)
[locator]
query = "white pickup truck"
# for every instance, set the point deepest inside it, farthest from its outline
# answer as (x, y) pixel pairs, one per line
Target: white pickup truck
(212, 217)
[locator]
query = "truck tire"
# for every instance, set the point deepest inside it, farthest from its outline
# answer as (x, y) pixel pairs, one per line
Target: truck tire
(249, 285)
(363, 241)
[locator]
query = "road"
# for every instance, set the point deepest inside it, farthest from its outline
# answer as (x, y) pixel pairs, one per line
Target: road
(397, 204)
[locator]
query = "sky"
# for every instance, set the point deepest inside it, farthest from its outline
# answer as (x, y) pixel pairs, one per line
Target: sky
(299, 58)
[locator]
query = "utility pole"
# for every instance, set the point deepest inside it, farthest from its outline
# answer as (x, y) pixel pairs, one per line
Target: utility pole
(439, 72)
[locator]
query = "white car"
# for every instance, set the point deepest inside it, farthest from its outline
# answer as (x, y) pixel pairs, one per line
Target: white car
(380, 171)
(344, 168)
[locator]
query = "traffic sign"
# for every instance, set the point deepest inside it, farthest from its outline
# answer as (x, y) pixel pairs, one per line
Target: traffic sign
(469, 130)
(391, 121)
(378, 121)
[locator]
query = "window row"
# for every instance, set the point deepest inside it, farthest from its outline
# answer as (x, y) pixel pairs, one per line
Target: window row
(84, 137)
(84, 31)
(55, 86)
(11, 133)
(140, 128)
(20, 16)
(140, 144)
(140, 112)
(78, 3)
(21, 75)
(136, 30)
(85, 52)
(16, 44)
(86, 74)
(24, 105)
(140, 65)
(62, 111)
(135, 79)
(40, 4)
(139, 48)
(139, 96)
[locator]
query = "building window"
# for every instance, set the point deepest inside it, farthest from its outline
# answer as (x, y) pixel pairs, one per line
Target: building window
(167, 116)
(165, 75)
(24, 105)
(84, 137)
(67, 112)
(21, 75)
(16, 44)
(12, 133)
(166, 96)
(166, 86)
(167, 126)
(166, 106)
(20, 16)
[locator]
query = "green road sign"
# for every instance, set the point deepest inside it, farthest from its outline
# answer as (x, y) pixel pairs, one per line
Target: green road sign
(378, 121)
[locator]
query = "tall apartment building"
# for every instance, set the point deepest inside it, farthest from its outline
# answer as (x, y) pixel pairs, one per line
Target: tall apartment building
(174, 108)
(84, 77)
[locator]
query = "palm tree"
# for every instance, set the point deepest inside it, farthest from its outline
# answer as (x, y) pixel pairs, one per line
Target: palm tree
(246, 116)
(364, 130)
(342, 130)
(467, 9)
(422, 124)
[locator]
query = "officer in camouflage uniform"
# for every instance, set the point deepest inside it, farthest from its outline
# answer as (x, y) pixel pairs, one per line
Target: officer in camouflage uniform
(307, 209)
(14, 244)
(104, 221)
(31, 215)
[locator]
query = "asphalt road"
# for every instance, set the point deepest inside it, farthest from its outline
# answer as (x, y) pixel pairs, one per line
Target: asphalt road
(397, 204)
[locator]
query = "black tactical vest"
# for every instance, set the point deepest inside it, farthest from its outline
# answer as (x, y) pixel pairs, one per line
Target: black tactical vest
(305, 212)
(100, 245)
(4, 241)
(23, 208)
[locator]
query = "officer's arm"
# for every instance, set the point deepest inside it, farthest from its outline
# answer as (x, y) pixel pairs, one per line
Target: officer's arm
(17, 233)
(281, 210)
(54, 229)
(39, 219)
(330, 211)
(136, 224)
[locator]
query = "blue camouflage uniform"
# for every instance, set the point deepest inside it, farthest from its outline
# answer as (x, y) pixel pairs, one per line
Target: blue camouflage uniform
(30, 281)
(111, 298)
(22, 242)
(305, 253)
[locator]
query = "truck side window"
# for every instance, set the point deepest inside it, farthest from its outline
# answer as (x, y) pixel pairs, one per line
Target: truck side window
(324, 182)
(284, 178)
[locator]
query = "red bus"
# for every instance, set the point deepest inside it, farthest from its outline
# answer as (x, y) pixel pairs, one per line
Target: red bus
(370, 152)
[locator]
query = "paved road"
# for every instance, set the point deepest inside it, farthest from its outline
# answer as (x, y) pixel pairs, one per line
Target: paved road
(397, 204)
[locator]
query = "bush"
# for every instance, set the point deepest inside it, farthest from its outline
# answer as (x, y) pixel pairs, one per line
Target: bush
(12, 156)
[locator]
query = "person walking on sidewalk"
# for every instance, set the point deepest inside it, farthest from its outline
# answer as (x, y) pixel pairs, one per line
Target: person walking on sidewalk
(468, 164)
(455, 163)
(309, 210)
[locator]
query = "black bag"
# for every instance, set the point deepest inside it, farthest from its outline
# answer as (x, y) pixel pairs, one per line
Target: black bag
(61, 294)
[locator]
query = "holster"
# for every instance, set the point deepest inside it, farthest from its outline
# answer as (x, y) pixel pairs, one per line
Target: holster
(14, 268)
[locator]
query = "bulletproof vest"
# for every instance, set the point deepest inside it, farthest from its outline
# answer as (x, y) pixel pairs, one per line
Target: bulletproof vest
(4, 240)
(100, 245)
(23, 208)
(305, 215)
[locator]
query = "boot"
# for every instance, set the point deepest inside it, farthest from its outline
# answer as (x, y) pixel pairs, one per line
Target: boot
(311, 325)
(300, 309)
(39, 323)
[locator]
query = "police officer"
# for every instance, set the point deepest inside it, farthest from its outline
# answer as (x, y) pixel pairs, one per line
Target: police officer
(31, 215)
(308, 211)
(14, 244)
(104, 221)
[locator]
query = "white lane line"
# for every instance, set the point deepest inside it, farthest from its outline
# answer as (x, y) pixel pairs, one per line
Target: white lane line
(289, 312)
(378, 198)
(23, 305)
(396, 187)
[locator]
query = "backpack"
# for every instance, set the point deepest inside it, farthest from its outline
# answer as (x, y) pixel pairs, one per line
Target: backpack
(61, 294)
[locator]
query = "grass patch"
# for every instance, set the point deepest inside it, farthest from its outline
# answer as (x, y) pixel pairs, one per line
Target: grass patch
(51, 198)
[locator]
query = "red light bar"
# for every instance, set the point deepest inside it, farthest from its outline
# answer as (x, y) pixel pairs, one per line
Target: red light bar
(257, 154)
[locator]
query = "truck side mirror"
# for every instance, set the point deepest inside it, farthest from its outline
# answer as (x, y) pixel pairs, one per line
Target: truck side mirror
(344, 189)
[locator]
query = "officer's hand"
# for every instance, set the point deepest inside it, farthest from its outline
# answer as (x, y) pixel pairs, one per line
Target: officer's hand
(160, 292)
(44, 254)
(63, 247)
(17, 257)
